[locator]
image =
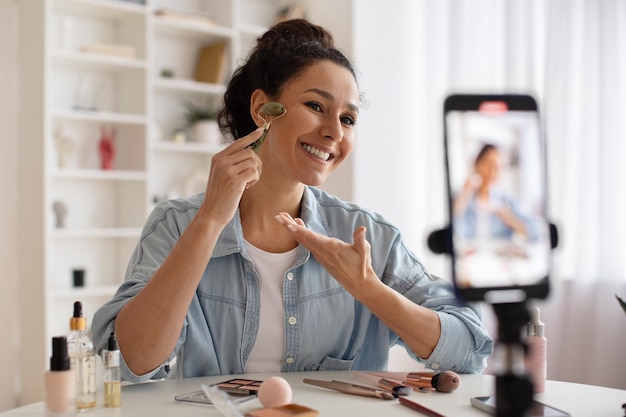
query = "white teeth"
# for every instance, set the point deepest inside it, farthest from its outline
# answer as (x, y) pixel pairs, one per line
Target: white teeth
(316, 152)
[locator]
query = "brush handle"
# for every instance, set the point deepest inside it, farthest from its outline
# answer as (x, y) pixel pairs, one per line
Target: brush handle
(419, 408)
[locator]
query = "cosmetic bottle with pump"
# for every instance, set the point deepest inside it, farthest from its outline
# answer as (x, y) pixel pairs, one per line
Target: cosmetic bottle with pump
(536, 359)
(60, 382)
(112, 377)
(82, 360)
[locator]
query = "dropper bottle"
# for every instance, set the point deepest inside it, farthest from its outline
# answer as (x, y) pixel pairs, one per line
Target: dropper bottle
(536, 360)
(82, 360)
(112, 377)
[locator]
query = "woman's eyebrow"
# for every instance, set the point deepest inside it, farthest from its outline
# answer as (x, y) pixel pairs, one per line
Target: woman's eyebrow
(327, 95)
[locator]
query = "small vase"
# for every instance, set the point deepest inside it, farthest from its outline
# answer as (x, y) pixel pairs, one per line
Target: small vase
(206, 131)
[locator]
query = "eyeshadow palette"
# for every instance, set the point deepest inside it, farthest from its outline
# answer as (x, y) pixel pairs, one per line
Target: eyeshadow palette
(240, 390)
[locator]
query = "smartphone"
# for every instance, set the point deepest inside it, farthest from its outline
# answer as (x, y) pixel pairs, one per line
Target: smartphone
(499, 235)
(537, 409)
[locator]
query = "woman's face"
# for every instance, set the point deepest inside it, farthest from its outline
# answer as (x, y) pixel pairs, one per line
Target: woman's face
(317, 133)
(488, 167)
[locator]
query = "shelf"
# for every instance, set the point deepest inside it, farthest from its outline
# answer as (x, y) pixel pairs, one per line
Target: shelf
(187, 86)
(191, 147)
(112, 9)
(99, 174)
(103, 291)
(252, 30)
(97, 62)
(99, 117)
(121, 232)
(176, 27)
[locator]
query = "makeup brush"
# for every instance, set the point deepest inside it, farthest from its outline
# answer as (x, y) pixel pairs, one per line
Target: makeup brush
(446, 381)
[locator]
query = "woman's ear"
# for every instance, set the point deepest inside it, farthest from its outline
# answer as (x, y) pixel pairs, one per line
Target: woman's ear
(257, 100)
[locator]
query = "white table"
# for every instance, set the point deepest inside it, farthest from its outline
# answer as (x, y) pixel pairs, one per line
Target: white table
(157, 399)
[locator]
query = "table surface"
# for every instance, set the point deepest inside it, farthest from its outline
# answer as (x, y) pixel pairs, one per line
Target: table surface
(157, 398)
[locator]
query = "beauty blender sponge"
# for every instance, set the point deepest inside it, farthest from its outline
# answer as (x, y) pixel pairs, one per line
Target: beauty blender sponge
(446, 381)
(274, 391)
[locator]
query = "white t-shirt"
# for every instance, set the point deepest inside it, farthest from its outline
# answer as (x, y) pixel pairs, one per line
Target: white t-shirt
(267, 352)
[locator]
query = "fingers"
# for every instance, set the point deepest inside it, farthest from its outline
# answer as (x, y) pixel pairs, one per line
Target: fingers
(295, 225)
(244, 142)
(348, 263)
(363, 247)
(313, 241)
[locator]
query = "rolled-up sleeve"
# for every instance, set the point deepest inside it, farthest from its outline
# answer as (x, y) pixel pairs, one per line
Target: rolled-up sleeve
(156, 241)
(464, 344)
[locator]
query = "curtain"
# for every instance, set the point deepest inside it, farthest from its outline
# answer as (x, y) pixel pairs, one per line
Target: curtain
(569, 54)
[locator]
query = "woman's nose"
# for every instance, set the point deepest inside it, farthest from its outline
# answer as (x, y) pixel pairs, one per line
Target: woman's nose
(331, 129)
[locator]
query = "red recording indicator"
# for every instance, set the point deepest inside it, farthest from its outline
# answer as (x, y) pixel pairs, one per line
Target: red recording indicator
(493, 106)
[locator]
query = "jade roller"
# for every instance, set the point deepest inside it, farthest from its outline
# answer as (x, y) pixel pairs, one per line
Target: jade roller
(269, 112)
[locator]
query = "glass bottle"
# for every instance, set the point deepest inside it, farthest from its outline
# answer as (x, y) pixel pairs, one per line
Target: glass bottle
(82, 360)
(536, 359)
(59, 382)
(112, 377)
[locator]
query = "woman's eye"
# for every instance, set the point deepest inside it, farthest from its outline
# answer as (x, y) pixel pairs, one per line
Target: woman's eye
(315, 106)
(348, 120)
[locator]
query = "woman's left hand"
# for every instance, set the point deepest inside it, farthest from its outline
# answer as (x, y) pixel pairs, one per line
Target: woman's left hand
(350, 264)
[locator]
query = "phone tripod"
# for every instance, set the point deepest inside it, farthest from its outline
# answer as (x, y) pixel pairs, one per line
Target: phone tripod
(514, 390)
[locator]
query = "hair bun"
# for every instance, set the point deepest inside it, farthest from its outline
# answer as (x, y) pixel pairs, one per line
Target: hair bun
(295, 32)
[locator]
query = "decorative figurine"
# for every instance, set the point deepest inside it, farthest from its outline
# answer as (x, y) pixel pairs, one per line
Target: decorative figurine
(107, 147)
(60, 211)
(65, 147)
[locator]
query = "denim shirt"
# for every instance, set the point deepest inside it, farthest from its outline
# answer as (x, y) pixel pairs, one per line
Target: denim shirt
(466, 224)
(325, 327)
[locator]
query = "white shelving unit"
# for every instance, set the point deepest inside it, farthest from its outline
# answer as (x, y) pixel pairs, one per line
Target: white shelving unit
(68, 98)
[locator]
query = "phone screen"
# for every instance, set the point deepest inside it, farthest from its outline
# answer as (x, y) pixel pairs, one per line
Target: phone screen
(500, 236)
(537, 409)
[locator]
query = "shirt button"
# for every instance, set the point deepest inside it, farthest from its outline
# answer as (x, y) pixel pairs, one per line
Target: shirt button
(434, 366)
(289, 360)
(290, 276)
(292, 320)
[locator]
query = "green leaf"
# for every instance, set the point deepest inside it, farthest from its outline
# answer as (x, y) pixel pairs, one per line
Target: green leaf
(194, 113)
(621, 302)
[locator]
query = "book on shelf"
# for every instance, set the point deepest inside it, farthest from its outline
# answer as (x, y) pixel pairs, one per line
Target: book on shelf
(187, 16)
(211, 62)
(120, 51)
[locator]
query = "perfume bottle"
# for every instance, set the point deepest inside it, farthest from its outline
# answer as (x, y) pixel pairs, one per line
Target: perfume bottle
(112, 377)
(82, 360)
(59, 382)
(536, 360)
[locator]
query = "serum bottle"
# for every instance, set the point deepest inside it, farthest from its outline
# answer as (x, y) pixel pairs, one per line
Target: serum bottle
(82, 360)
(536, 361)
(112, 377)
(59, 382)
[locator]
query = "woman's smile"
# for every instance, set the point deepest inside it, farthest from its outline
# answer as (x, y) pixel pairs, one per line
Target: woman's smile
(317, 153)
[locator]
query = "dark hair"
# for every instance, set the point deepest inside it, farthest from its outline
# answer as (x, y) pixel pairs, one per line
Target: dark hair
(483, 151)
(281, 53)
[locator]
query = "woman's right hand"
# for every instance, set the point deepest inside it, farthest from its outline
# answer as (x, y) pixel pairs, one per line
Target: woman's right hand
(234, 169)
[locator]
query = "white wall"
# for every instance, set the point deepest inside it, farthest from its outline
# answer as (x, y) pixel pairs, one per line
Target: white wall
(9, 325)
(385, 172)
(337, 17)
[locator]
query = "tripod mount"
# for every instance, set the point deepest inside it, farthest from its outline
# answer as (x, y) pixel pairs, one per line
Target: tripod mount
(514, 390)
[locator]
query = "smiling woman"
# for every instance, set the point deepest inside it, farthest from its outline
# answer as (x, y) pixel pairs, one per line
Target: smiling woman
(265, 272)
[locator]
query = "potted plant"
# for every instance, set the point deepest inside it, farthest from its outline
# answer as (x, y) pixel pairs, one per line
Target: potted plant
(202, 123)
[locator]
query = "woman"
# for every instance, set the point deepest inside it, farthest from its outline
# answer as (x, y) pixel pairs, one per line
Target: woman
(258, 273)
(482, 209)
